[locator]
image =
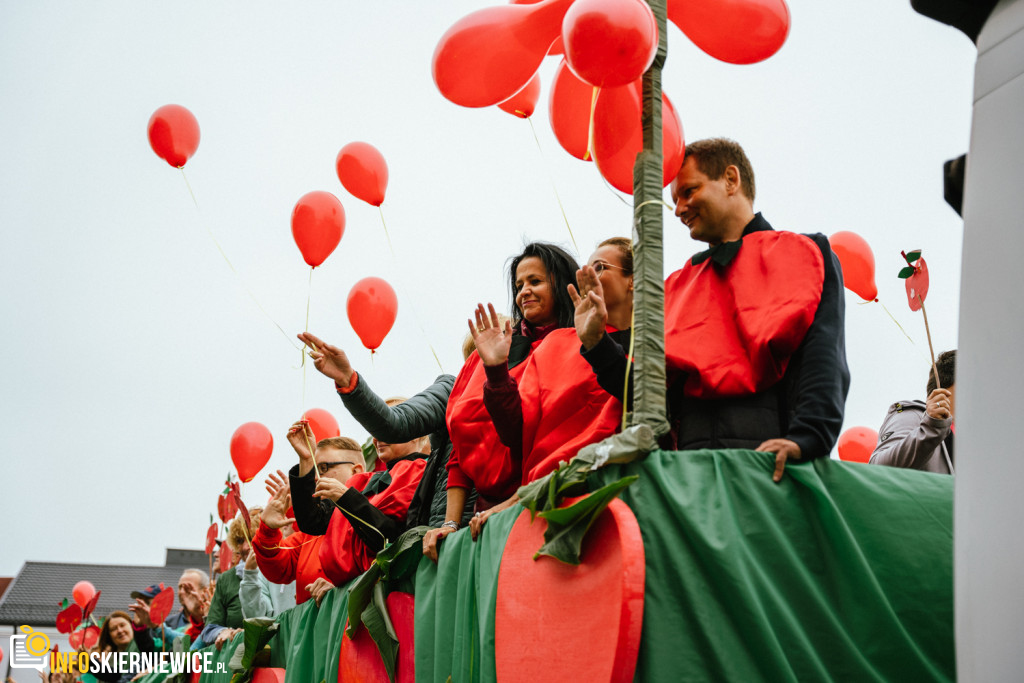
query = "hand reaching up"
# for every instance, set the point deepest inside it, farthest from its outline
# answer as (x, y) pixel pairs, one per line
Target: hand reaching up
(492, 342)
(591, 312)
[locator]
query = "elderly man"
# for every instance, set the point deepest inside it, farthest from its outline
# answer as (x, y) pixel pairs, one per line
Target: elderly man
(754, 336)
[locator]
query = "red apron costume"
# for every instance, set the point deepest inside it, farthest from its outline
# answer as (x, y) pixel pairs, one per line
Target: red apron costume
(283, 560)
(731, 330)
(343, 554)
(479, 459)
(564, 408)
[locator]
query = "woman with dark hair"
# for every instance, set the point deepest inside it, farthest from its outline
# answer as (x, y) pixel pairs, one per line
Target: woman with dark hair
(539, 278)
(119, 634)
(558, 406)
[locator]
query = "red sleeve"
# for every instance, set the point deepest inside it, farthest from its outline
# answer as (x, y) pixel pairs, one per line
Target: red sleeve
(276, 557)
(505, 406)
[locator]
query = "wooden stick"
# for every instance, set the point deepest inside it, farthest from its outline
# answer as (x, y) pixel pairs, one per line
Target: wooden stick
(935, 370)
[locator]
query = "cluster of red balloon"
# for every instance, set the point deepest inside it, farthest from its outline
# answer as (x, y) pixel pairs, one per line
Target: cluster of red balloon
(491, 56)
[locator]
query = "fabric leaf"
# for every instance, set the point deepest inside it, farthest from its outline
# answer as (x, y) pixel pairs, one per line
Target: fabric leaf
(912, 256)
(378, 625)
(360, 595)
(567, 527)
(906, 272)
(258, 632)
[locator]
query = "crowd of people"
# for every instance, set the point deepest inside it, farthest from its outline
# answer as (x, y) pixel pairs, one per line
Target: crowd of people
(755, 359)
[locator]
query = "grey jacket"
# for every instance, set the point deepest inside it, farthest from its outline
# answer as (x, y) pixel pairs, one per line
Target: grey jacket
(910, 438)
(422, 414)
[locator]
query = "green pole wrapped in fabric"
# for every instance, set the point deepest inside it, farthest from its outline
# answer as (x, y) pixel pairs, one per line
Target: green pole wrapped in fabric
(648, 272)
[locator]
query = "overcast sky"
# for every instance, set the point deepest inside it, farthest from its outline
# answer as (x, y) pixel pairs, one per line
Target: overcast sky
(131, 351)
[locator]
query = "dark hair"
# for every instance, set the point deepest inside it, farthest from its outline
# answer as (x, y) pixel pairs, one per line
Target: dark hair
(105, 640)
(625, 247)
(946, 365)
(714, 155)
(561, 270)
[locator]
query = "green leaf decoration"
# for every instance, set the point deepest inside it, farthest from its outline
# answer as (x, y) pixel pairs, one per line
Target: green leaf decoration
(378, 624)
(906, 272)
(569, 479)
(360, 595)
(258, 632)
(913, 256)
(563, 539)
(369, 454)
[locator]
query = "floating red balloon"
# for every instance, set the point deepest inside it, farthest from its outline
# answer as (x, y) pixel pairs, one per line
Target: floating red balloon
(322, 423)
(489, 55)
(251, 447)
(173, 134)
(372, 308)
(858, 263)
(609, 43)
(318, 222)
(363, 171)
(82, 593)
(857, 444)
(734, 31)
(618, 136)
(569, 111)
(523, 102)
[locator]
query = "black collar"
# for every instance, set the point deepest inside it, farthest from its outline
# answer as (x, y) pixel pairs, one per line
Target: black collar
(723, 254)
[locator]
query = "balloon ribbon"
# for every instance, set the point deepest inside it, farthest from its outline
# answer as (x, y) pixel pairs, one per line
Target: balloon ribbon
(590, 129)
(553, 186)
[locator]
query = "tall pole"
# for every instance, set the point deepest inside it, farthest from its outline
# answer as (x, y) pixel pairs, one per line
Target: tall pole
(649, 290)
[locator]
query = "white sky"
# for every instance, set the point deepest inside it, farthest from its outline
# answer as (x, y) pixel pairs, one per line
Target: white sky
(131, 352)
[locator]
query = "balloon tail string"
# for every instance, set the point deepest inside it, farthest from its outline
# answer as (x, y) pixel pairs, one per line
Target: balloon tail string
(613, 190)
(935, 370)
(213, 238)
(309, 296)
(629, 362)
(387, 234)
(312, 452)
(590, 128)
(893, 318)
(554, 187)
(415, 314)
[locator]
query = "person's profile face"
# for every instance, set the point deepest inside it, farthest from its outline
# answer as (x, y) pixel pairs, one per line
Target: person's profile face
(701, 203)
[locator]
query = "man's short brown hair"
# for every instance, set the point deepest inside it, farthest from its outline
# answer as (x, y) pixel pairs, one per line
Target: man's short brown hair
(342, 443)
(714, 155)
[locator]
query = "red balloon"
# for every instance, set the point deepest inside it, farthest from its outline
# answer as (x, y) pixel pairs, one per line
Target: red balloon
(251, 447)
(322, 423)
(318, 222)
(618, 136)
(523, 102)
(489, 55)
(609, 43)
(858, 263)
(734, 31)
(857, 443)
(82, 593)
(372, 307)
(556, 47)
(174, 134)
(363, 171)
(569, 111)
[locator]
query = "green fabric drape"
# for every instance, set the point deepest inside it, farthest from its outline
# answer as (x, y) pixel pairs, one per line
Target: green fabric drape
(455, 604)
(219, 663)
(839, 572)
(330, 627)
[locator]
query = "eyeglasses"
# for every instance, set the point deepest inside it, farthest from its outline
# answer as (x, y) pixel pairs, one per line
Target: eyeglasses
(601, 266)
(322, 467)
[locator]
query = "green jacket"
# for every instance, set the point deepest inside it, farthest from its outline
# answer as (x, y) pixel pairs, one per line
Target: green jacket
(226, 607)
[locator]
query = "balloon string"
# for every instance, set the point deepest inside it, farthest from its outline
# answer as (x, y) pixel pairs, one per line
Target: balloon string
(302, 352)
(590, 129)
(656, 201)
(245, 287)
(401, 288)
(891, 317)
(554, 187)
(387, 234)
(312, 453)
(629, 361)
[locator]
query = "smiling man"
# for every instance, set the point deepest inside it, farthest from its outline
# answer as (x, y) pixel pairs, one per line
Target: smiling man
(754, 335)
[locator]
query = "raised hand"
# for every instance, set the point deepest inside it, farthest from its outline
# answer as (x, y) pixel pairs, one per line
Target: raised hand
(140, 613)
(276, 481)
(275, 515)
(328, 488)
(329, 360)
(938, 404)
(300, 436)
(492, 342)
(591, 315)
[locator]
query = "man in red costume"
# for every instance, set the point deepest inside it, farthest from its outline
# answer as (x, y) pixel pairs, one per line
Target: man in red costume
(754, 337)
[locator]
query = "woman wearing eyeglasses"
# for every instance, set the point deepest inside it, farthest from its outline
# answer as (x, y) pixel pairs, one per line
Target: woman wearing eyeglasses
(558, 404)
